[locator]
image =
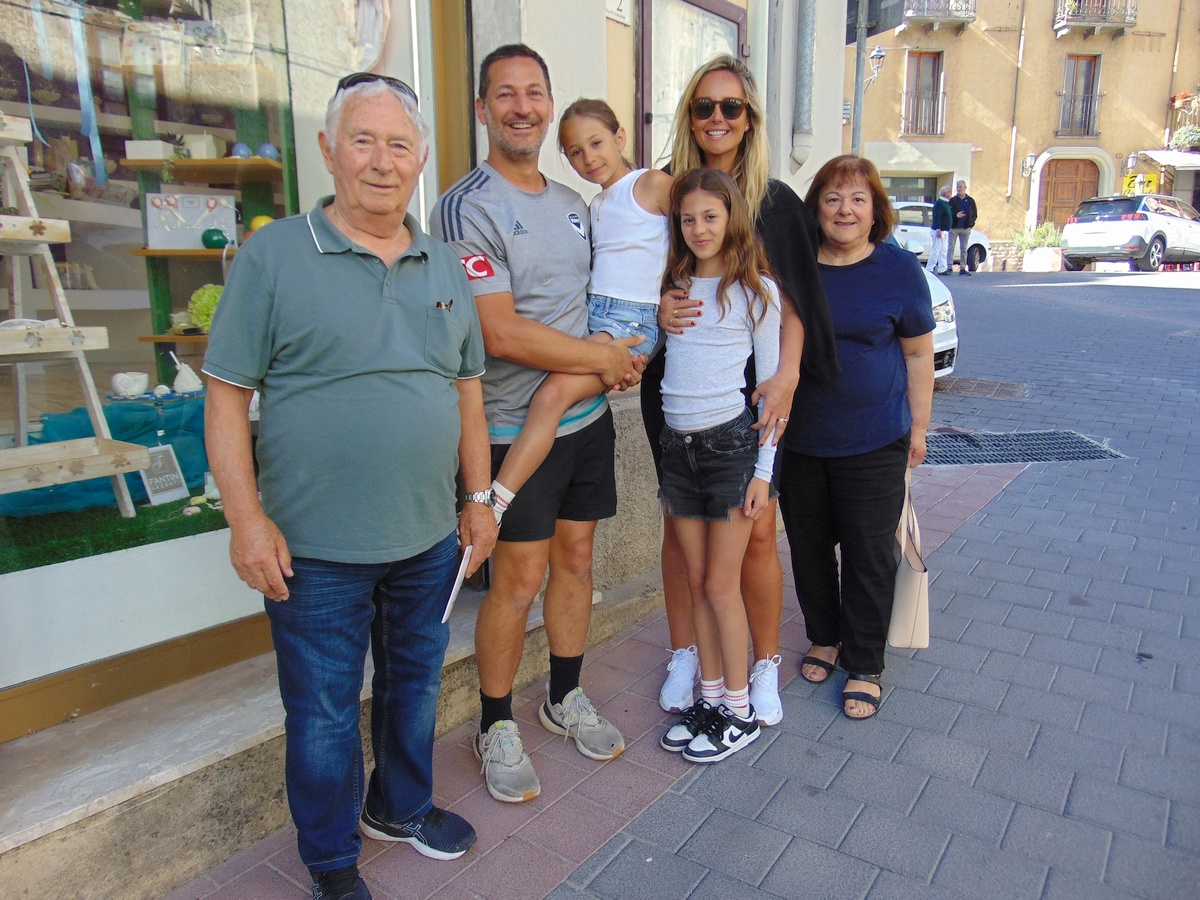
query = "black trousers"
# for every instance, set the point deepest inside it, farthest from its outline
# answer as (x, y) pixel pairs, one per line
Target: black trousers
(853, 502)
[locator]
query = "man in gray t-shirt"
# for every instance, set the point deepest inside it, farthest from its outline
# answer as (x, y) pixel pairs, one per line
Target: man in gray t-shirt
(523, 241)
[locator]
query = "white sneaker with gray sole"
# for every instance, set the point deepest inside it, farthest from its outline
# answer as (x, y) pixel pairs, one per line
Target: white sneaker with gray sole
(507, 768)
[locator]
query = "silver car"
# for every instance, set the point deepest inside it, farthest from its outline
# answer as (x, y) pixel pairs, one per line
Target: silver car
(913, 221)
(1148, 229)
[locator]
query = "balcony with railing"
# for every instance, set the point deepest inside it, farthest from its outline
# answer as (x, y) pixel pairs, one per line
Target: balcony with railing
(924, 113)
(1094, 17)
(934, 14)
(1080, 115)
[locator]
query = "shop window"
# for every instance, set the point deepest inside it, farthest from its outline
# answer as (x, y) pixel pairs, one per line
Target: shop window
(186, 82)
(675, 38)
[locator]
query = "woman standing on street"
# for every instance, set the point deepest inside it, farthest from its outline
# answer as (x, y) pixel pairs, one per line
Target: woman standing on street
(719, 123)
(852, 438)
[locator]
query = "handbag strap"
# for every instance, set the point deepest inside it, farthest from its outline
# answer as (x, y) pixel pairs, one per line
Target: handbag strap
(909, 531)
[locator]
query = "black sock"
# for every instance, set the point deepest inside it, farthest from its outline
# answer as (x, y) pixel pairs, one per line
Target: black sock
(564, 675)
(494, 710)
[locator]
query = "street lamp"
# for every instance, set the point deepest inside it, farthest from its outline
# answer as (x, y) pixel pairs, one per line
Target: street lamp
(876, 60)
(1027, 165)
(1132, 162)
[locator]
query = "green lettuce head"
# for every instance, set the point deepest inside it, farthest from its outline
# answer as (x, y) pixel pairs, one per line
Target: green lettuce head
(203, 304)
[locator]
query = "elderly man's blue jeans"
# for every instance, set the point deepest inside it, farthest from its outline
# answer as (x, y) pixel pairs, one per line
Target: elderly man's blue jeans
(321, 635)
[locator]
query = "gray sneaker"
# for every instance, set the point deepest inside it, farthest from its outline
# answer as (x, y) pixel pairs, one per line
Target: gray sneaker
(595, 736)
(507, 768)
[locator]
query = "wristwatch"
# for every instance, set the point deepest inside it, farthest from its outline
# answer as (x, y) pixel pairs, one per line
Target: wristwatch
(487, 498)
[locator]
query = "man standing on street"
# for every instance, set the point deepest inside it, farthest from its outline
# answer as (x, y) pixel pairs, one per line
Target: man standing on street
(523, 240)
(963, 214)
(362, 336)
(939, 250)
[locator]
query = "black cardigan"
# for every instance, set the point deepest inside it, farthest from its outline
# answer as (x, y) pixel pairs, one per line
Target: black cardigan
(790, 236)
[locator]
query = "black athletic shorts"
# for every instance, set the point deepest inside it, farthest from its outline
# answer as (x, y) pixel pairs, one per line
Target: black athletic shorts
(577, 482)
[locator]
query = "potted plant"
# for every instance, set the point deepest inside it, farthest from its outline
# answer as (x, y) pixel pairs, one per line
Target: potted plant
(1180, 99)
(1041, 248)
(1186, 138)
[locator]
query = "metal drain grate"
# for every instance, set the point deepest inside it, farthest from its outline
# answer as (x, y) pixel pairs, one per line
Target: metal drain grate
(986, 448)
(980, 387)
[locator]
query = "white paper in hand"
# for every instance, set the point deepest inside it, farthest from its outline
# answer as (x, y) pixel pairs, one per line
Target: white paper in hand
(458, 581)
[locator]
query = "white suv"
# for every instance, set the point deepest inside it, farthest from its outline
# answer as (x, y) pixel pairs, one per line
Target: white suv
(1148, 229)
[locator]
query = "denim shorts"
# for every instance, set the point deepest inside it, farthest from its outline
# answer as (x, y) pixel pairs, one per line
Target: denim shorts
(624, 318)
(705, 473)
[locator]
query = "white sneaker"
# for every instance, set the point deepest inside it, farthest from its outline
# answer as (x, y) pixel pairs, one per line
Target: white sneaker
(683, 671)
(764, 690)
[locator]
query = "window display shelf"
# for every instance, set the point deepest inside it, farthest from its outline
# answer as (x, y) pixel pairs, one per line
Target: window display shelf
(87, 212)
(40, 465)
(173, 338)
(227, 170)
(26, 235)
(31, 344)
(181, 254)
(109, 123)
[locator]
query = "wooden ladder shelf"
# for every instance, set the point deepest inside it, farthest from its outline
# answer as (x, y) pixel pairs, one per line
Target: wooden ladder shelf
(24, 467)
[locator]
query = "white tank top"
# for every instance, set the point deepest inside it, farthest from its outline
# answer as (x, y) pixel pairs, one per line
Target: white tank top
(629, 245)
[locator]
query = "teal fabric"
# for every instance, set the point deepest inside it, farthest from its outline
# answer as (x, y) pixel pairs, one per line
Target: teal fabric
(356, 362)
(134, 422)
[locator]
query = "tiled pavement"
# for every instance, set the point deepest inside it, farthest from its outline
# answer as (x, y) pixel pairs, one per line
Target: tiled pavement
(1045, 745)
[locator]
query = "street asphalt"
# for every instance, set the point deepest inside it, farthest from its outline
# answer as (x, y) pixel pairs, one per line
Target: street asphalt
(1047, 743)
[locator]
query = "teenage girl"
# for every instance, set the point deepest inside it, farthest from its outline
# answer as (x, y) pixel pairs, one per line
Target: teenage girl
(716, 479)
(629, 249)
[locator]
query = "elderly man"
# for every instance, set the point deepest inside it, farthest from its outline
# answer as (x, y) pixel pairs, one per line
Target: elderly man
(523, 241)
(939, 250)
(362, 335)
(964, 214)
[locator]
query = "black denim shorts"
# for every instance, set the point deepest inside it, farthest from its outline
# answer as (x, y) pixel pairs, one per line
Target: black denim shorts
(705, 473)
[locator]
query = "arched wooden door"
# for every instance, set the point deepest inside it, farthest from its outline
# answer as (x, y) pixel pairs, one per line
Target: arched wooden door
(1065, 184)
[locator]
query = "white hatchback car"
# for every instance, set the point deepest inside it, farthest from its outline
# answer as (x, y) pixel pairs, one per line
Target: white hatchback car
(1148, 229)
(913, 219)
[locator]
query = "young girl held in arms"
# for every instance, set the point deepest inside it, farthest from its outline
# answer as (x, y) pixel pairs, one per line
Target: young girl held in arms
(629, 249)
(716, 479)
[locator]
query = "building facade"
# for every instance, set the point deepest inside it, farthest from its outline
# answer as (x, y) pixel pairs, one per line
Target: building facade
(1036, 104)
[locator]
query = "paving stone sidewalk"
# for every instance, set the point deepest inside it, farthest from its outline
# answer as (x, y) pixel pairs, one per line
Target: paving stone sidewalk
(1047, 744)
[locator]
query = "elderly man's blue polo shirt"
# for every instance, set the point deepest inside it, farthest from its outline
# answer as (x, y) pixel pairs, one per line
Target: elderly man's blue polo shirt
(356, 363)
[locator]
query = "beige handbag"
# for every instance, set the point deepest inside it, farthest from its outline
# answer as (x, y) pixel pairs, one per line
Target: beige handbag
(909, 628)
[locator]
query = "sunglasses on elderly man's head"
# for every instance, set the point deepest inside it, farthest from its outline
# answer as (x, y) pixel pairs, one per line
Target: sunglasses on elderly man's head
(367, 77)
(703, 108)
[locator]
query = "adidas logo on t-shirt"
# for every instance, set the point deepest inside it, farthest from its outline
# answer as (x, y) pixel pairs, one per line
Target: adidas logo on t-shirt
(518, 228)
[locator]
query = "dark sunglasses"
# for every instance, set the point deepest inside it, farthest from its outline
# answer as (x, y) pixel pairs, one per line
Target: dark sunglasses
(351, 80)
(703, 108)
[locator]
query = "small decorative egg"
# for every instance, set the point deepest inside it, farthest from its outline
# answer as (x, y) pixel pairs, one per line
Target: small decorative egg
(161, 390)
(259, 221)
(240, 150)
(268, 151)
(214, 238)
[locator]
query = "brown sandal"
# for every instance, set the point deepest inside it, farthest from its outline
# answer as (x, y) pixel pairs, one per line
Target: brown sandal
(862, 696)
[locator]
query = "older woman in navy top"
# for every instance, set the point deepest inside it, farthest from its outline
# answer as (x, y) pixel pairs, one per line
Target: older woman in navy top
(852, 437)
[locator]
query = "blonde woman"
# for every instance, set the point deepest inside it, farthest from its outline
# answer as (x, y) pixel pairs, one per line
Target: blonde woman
(720, 124)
